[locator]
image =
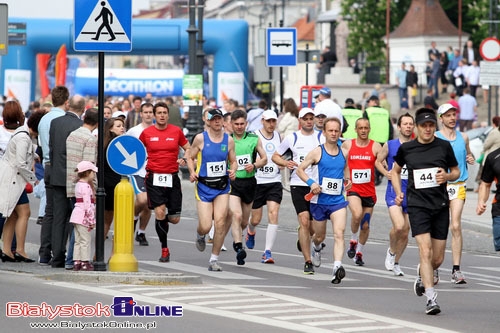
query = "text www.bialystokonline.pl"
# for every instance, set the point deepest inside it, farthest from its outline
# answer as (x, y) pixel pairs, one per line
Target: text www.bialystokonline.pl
(90, 325)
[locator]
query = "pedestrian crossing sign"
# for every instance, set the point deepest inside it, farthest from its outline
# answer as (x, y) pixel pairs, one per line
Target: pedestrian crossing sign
(103, 25)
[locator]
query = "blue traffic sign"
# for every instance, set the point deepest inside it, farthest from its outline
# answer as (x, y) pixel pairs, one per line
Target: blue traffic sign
(103, 25)
(126, 155)
(281, 47)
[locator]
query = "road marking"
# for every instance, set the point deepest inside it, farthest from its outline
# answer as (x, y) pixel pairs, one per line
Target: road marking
(356, 319)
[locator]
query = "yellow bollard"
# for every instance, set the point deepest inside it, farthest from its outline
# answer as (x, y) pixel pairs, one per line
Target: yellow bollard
(123, 259)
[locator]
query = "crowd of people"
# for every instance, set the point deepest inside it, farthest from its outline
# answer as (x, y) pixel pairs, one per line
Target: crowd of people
(331, 157)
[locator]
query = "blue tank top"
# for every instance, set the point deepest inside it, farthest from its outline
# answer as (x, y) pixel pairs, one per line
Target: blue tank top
(392, 147)
(460, 151)
(212, 159)
(330, 178)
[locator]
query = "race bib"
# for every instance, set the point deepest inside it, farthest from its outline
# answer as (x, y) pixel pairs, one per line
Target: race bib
(268, 171)
(425, 178)
(404, 172)
(331, 186)
(216, 169)
(162, 179)
(361, 176)
(243, 160)
(452, 191)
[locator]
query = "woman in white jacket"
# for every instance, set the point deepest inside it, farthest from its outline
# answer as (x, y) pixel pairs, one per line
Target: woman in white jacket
(17, 166)
(288, 122)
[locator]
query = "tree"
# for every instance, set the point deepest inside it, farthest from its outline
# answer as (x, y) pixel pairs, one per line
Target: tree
(368, 18)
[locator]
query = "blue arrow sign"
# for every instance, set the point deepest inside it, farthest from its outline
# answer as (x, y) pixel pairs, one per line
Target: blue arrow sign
(126, 155)
(281, 47)
(103, 25)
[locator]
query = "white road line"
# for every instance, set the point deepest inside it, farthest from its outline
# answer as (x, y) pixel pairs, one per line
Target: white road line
(312, 316)
(297, 310)
(238, 301)
(373, 328)
(339, 322)
(256, 306)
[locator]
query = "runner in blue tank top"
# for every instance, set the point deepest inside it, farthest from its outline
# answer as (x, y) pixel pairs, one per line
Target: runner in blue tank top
(398, 235)
(456, 189)
(329, 202)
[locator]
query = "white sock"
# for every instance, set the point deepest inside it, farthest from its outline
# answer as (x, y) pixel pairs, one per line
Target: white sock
(354, 236)
(213, 257)
(271, 233)
(359, 247)
(140, 231)
(337, 264)
(136, 218)
(429, 293)
(211, 232)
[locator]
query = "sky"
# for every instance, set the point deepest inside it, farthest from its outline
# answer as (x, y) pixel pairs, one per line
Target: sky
(62, 9)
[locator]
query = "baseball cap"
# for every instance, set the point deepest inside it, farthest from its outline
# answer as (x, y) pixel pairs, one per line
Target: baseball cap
(349, 101)
(305, 111)
(86, 165)
(214, 113)
(117, 114)
(323, 91)
(269, 114)
(423, 115)
(445, 108)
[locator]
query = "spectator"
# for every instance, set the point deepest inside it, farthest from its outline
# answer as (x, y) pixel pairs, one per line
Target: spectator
(412, 85)
(429, 101)
(468, 110)
(401, 75)
(470, 53)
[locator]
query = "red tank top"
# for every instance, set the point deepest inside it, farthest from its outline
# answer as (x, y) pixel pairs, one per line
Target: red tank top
(361, 163)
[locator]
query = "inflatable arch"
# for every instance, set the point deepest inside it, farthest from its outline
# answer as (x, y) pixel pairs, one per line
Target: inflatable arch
(226, 40)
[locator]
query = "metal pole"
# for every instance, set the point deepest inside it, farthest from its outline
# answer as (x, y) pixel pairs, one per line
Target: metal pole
(491, 88)
(282, 88)
(271, 92)
(192, 122)
(387, 35)
(200, 56)
(307, 64)
(100, 264)
(460, 24)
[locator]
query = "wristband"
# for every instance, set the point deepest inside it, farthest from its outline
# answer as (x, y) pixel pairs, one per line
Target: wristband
(254, 167)
(309, 182)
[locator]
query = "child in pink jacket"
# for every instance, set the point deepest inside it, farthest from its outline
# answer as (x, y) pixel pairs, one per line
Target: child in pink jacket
(83, 216)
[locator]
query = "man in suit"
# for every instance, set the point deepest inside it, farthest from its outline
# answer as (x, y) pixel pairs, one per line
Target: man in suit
(433, 50)
(60, 129)
(470, 53)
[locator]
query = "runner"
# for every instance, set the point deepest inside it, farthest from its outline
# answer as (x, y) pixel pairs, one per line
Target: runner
(269, 189)
(427, 160)
(247, 147)
(212, 149)
(329, 202)
(398, 236)
(362, 155)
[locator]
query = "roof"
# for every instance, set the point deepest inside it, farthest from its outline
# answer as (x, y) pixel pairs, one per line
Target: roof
(305, 30)
(425, 18)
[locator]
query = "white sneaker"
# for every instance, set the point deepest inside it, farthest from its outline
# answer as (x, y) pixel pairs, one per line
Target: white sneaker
(223, 248)
(316, 255)
(214, 266)
(397, 270)
(389, 260)
(458, 278)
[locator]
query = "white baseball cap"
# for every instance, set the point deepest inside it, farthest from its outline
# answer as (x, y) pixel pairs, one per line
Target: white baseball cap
(269, 114)
(305, 111)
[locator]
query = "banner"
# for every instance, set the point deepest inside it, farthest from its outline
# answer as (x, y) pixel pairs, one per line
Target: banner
(17, 85)
(231, 85)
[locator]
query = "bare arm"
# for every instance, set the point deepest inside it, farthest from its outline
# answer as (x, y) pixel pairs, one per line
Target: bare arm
(380, 163)
(310, 159)
(195, 149)
(470, 157)
(396, 182)
(232, 159)
(482, 197)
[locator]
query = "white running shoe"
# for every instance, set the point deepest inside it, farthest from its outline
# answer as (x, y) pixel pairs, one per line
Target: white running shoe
(458, 278)
(397, 270)
(389, 260)
(316, 255)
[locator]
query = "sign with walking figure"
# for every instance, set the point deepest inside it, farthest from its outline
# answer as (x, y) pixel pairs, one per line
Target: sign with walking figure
(103, 25)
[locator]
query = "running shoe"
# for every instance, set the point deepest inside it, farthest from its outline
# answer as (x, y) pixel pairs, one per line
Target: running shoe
(436, 276)
(458, 278)
(397, 270)
(200, 243)
(316, 254)
(432, 307)
(241, 254)
(165, 255)
(389, 260)
(358, 259)
(250, 240)
(418, 287)
(338, 274)
(308, 268)
(223, 248)
(352, 248)
(267, 258)
(141, 238)
(214, 266)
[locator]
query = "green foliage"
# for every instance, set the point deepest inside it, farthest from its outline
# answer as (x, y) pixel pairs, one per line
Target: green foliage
(368, 22)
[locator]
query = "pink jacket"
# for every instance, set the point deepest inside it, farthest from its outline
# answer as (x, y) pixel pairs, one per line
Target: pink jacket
(84, 211)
